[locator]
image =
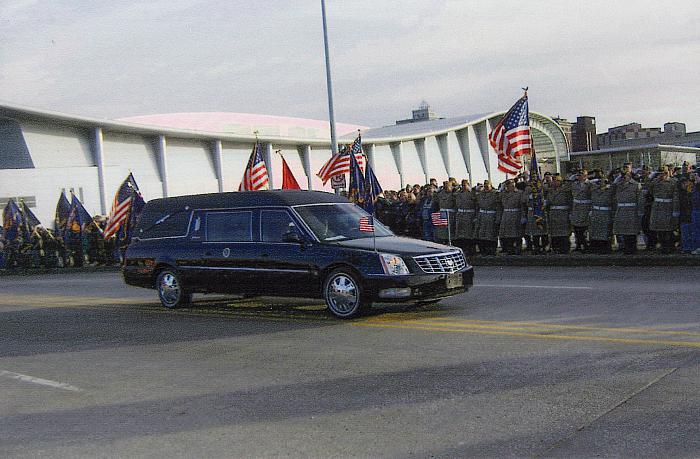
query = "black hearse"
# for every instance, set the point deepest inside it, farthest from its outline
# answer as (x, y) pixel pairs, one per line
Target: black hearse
(285, 243)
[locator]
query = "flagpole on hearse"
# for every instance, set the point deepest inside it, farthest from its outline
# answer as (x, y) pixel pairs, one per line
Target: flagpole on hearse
(329, 84)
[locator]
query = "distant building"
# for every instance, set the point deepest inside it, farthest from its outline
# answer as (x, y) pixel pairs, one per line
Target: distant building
(422, 113)
(565, 126)
(583, 134)
(673, 133)
(652, 155)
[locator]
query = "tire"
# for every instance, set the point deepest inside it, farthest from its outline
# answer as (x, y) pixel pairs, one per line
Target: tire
(343, 294)
(171, 290)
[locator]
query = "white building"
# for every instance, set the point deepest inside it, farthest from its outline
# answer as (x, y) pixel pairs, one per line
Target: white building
(43, 153)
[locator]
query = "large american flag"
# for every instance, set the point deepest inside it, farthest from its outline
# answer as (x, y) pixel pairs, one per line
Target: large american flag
(511, 137)
(121, 206)
(255, 176)
(340, 162)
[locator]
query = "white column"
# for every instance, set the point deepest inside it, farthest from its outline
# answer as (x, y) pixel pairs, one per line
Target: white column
(398, 159)
(100, 162)
(267, 157)
(305, 156)
(463, 140)
(369, 151)
(161, 148)
(420, 149)
(482, 135)
(218, 164)
(444, 152)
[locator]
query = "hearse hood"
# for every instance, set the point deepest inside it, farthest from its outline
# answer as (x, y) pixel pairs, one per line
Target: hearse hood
(398, 245)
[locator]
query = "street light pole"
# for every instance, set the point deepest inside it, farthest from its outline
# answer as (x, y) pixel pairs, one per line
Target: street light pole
(334, 142)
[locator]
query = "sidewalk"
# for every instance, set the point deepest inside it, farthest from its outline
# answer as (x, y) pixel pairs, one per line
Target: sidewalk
(579, 259)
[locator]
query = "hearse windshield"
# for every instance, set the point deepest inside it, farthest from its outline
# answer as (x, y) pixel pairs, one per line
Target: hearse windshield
(338, 222)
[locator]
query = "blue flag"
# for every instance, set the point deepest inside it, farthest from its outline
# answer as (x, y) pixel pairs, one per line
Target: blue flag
(78, 218)
(62, 212)
(125, 231)
(12, 221)
(372, 189)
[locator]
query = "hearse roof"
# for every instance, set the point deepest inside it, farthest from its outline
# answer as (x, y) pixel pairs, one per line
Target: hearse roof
(244, 199)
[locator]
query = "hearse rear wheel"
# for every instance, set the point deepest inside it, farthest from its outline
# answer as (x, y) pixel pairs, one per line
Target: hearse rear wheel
(343, 294)
(171, 291)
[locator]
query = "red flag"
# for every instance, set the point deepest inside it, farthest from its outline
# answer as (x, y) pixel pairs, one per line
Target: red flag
(288, 180)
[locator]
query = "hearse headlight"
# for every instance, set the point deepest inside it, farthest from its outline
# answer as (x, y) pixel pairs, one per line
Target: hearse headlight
(393, 265)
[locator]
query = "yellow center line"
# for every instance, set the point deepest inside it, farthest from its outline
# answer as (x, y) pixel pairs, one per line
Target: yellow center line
(529, 335)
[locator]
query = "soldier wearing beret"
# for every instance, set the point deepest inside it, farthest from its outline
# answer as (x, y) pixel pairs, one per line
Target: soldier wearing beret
(629, 209)
(487, 221)
(513, 205)
(465, 227)
(580, 212)
(664, 209)
(558, 205)
(600, 228)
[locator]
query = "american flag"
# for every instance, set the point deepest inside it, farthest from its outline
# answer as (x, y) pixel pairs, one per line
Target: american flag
(367, 224)
(511, 137)
(439, 218)
(121, 206)
(340, 162)
(255, 176)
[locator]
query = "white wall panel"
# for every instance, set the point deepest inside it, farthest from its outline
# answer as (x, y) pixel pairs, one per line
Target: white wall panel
(124, 153)
(479, 172)
(436, 167)
(234, 159)
(46, 185)
(385, 170)
(413, 172)
(190, 168)
(55, 146)
(457, 166)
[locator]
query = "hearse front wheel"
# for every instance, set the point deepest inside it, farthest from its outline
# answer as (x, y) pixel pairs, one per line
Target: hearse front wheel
(171, 290)
(343, 294)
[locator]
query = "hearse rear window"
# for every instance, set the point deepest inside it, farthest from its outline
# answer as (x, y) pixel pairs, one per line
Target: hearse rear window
(229, 226)
(168, 224)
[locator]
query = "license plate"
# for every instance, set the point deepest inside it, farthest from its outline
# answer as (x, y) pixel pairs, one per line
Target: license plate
(454, 280)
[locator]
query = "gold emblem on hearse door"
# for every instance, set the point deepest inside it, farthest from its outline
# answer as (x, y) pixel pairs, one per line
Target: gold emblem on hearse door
(226, 252)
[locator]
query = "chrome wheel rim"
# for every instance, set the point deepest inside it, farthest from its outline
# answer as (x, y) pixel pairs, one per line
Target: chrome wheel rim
(342, 294)
(169, 289)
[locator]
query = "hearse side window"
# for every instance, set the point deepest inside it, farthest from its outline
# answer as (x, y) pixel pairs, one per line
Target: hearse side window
(229, 226)
(274, 224)
(164, 224)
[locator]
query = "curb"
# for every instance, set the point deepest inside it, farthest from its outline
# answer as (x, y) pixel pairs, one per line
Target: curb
(588, 260)
(35, 271)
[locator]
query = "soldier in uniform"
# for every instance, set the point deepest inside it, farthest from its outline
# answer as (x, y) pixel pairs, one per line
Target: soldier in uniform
(649, 235)
(580, 212)
(600, 228)
(664, 209)
(488, 218)
(465, 201)
(445, 202)
(629, 209)
(510, 232)
(558, 208)
(536, 227)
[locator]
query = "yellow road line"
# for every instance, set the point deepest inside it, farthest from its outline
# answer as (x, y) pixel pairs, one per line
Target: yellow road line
(545, 326)
(530, 335)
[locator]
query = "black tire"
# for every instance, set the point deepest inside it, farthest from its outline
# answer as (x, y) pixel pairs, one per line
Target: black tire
(343, 294)
(171, 290)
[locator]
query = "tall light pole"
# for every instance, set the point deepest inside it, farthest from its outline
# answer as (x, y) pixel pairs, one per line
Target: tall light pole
(331, 116)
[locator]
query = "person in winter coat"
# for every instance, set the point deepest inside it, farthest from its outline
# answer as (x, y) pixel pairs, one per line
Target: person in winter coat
(629, 210)
(514, 204)
(580, 211)
(600, 229)
(487, 222)
(465, 227)
(558, 207)
(664, 209)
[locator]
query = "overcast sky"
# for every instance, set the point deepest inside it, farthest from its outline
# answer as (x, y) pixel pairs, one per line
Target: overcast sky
(620, 61)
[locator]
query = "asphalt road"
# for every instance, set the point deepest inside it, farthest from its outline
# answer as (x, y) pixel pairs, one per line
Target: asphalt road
(553, 362)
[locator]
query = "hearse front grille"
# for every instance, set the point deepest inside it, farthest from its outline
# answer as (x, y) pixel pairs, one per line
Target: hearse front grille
(441, 262)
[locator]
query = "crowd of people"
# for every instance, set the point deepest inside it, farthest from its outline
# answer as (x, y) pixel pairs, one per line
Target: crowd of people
(46, 248)
(622, 209)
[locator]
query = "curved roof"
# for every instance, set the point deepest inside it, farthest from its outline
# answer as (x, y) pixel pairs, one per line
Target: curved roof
(245, 123)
